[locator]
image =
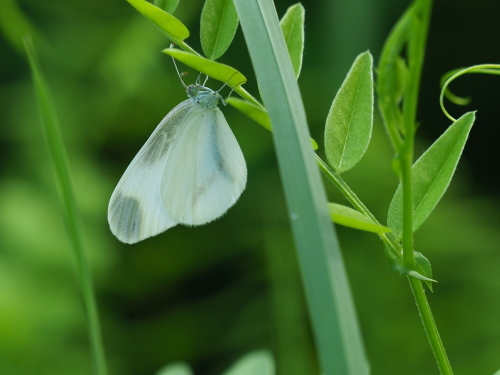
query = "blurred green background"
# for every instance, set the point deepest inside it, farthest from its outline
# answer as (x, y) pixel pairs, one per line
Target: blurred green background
(207, 295)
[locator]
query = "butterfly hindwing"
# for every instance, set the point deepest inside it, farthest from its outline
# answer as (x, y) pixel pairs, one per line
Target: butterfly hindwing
(206, 172)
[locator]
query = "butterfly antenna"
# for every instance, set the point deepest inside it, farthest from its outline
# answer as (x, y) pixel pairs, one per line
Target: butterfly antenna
(226, 83)
(198, 79)
(176, 69)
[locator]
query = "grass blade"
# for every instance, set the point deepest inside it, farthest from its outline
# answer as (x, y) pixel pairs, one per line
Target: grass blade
(331, 308)
(219, 22)
(58, 153)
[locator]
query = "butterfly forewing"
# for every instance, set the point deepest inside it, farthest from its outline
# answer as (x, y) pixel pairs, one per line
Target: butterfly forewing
(191, 171)
(135, 210)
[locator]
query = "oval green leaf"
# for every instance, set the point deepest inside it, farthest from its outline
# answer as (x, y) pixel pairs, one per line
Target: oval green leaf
(431, 174)
(171, 26)
(168, 6)
(351, 218)
(218, 71)
(219, 22)
(259, 362)
(292, 27)
(177, 368)
(392, 76)
(423, 267)
(398, 265)
(349, 122)
(257, 114)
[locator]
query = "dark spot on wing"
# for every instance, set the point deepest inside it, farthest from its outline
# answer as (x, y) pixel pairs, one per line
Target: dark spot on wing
(130, 215)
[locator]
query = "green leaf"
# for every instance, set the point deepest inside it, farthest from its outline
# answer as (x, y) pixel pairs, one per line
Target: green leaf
(334, 320)
(392, 78)
(497, 373)
(177, 368)
(171, 26)
(257, 114)
(218, 71)
(349, 217)
(398, 266)
(219, 22)
(14, 24)
(432, 173)
(292, 27)
(349, 122)
(424, 267)
(256, 363)
(168, 6)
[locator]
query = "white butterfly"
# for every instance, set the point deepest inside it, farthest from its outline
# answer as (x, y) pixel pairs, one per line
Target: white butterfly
(190, 171)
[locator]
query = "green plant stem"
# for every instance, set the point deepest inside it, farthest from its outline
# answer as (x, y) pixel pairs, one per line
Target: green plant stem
(416, 285)
(416, 48)
(345, 189)
(406, 182)
(430, 326)
(60, 160)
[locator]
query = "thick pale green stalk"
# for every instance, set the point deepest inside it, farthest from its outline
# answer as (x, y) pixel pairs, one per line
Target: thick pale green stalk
(329, 299)
(58, 153)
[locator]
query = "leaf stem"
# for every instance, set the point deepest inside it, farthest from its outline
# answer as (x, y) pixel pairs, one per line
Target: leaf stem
(345, 189)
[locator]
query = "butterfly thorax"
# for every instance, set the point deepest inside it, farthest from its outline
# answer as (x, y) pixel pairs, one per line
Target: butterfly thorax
(204, 96)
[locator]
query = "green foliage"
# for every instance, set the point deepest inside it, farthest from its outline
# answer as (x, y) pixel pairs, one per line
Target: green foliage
(256, 113)
(492, 69)
(422, 272)
(349, 217)
(60, 160)
(259, 362)
(292, 27)
(349, 123)
(168, 24)
(393, 78)
(178, 368)
(332, 312)
(216, 70)
(432, 173)
(158, 263)
(168, 6)
(219, 22)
